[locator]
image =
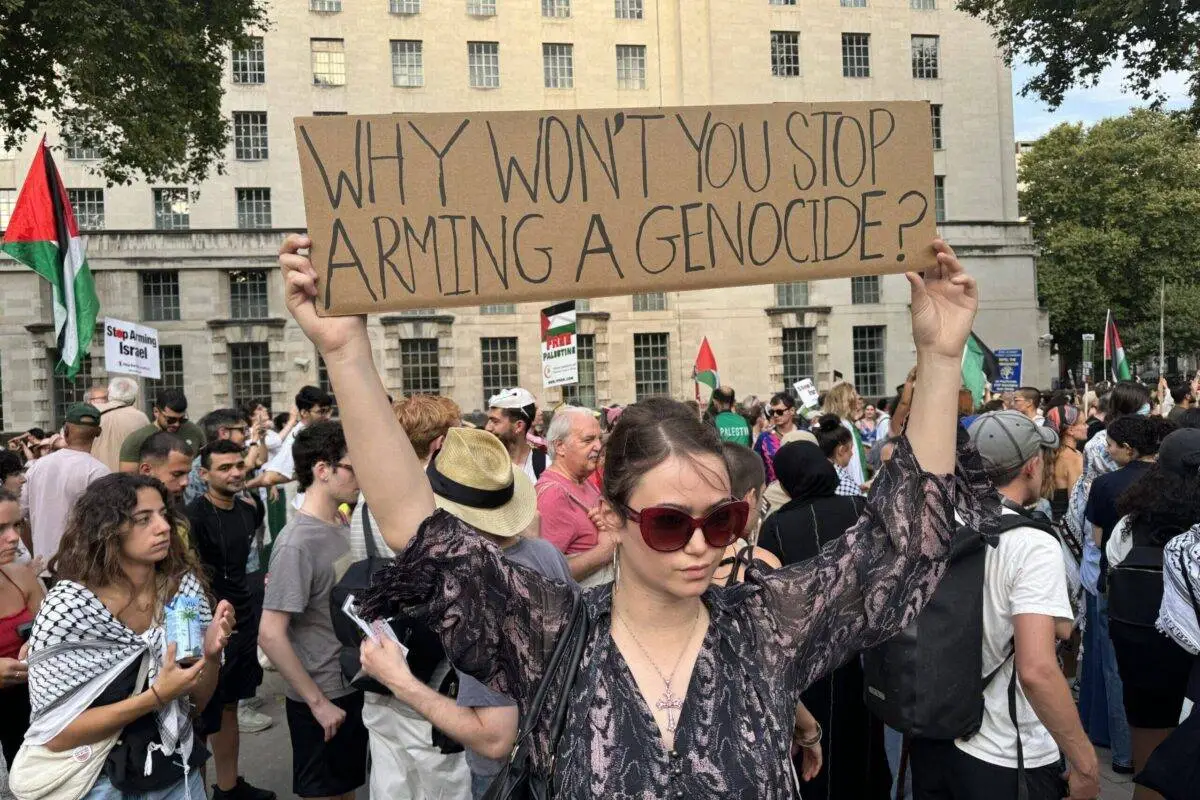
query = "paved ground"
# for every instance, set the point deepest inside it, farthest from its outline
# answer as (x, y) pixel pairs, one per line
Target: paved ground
(266, 757)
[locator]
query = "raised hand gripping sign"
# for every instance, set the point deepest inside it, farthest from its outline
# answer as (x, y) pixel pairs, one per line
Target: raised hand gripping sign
(444, 210)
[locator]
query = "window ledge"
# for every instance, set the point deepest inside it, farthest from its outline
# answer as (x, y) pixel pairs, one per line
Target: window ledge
(399, 319)
(270, 322)
(599, 316)
(775, 311)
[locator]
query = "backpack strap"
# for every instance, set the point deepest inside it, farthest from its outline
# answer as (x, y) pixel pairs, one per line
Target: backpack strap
(368, 532)
(538, 458)
(1022, 785)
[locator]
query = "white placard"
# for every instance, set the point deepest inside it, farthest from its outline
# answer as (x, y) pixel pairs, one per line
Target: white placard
(130, 349)
(807, 393)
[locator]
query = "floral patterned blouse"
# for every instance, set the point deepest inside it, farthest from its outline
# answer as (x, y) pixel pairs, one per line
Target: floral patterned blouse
(768, 638)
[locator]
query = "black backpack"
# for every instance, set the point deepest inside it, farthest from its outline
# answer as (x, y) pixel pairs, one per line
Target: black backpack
(425, 650)
(1135, 587)
(927, 680)
(539, 462)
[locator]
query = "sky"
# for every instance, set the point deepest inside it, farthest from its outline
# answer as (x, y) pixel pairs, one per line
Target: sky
(1032, 117)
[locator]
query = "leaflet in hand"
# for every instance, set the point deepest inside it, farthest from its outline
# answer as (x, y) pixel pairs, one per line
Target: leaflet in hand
(373, 630)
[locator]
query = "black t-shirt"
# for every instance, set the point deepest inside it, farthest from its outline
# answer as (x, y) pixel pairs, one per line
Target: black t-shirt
(222, 539)
(1101, 509)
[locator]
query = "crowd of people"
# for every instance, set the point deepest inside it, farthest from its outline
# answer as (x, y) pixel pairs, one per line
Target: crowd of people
(735, 578)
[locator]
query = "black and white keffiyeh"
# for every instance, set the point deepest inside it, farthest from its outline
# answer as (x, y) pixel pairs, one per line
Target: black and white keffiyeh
(1179, 614)
(78, 648)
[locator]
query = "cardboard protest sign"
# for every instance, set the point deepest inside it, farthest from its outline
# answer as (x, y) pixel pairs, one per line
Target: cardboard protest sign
(444, 210)
(560, 358)
(130, 349)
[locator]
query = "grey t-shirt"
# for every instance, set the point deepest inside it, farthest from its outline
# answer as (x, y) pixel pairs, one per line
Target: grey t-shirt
(544, 558)
(309, 557)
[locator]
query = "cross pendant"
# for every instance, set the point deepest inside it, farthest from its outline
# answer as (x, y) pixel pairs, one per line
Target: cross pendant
(669, 702)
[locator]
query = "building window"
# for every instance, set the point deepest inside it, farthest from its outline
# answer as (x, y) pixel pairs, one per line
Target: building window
(481, 8)
(854, 3)
(67, 392)
(1, 402)
(583, 393)
(327, 6)
(558, 9)
(782, 2)
(582, 305)
(939, 198)
(498, 308)
(248, 294)
(856, 55)
(651, 365)
(629, 9)
(500, 368)
(250, 62)
(785, 54)
(254, 208)
(791, 295)
(407, 66)
(79, 152)
(864, 289)
(160, 296)
(328, 62)
(935, 119)
(249, 372)
(558, 65)
(8, 201)
(868, 343)
(925, 56)
(419, 369)
(88, 205)
(631, 66)
(170, 370)
(922, 5)
(797, 354)
(171, 209)
(650, 301)
(404, 6)
(483, 63)
(323, 382)
(249, 135)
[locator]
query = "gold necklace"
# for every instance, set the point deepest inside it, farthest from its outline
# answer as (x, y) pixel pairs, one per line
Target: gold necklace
(667, 701)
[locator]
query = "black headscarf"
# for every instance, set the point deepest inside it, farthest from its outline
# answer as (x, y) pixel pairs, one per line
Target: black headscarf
(804, 472)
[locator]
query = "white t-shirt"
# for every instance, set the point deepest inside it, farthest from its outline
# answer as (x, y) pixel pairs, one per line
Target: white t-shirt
(528, 466)
(1024, 574)
(285, 465)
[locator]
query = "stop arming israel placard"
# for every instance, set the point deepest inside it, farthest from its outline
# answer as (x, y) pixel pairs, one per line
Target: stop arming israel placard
(130, 349)
(560, 358)
(466, 209)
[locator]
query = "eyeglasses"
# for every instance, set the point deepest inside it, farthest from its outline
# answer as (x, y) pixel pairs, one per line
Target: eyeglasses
(243, 429)
(779, 412)
(167, 418)
(668, 529)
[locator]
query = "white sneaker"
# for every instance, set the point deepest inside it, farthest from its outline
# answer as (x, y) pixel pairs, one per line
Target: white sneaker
(250, 721)
(251, 702)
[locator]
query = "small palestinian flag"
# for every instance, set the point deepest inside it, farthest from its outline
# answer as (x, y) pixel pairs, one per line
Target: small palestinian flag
(705, 369)
(42, 234)
(1114, 351)
(558, 320)
(979, 366)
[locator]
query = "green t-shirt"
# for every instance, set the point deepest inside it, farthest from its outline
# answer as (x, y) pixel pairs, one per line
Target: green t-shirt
(132, 446)
(733, 428)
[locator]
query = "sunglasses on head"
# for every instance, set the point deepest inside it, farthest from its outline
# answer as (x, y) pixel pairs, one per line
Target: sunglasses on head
(667, 529)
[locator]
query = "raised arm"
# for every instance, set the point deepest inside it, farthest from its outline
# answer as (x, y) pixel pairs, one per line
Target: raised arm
(373, 435)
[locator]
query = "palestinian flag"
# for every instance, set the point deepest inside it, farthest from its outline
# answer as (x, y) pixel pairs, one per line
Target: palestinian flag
(42, 234)
(558, 320)
(1114, 351)
(705, 369)
(979, 366)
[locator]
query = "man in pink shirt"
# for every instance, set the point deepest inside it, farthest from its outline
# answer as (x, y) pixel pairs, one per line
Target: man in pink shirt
(55, 482)
(569, 506)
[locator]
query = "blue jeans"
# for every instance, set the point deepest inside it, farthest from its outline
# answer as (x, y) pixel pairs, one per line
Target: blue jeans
(104, 790)
(893, 746)
(1101, 704)
(479, 785)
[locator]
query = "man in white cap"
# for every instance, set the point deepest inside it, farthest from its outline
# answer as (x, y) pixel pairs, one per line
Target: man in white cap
(510, 417)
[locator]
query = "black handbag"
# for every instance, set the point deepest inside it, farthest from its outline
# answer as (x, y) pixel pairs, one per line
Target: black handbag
(519, 780)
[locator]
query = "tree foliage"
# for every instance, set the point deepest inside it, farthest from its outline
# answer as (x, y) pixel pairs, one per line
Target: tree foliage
(138, 81)
(1071, 42)
(1116, 210)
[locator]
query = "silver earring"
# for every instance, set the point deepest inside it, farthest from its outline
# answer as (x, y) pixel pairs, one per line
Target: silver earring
(616, 565)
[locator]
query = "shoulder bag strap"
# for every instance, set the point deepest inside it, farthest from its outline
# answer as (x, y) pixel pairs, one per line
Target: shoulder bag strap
(1022, 786)
(368, 532)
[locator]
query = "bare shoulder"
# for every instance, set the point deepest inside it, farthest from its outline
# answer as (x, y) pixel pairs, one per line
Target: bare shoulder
(22, 576)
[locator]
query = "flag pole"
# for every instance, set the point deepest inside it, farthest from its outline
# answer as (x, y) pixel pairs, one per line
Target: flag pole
(1162, 330)
(1107, 319)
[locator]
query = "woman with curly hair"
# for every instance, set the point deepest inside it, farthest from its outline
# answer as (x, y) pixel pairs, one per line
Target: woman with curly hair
(104, 682)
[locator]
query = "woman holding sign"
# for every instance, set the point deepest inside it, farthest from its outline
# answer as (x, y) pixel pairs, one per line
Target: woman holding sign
(683, 689)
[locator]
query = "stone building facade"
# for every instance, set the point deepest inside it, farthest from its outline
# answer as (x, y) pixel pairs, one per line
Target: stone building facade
(196, 262)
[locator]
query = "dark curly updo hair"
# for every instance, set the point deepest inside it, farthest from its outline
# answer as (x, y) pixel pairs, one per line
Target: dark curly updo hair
(831, 434)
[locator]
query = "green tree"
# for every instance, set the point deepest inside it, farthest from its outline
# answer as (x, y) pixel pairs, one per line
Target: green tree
(1070, 42)
(138, 81)
(1116, 210)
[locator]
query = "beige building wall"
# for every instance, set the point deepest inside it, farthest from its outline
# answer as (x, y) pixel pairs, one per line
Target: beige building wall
(697, 52)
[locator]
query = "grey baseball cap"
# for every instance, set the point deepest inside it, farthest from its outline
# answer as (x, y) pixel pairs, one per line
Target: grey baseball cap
(1007, 439)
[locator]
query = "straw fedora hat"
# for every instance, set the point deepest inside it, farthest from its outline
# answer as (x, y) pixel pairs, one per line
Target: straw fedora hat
(474, 479)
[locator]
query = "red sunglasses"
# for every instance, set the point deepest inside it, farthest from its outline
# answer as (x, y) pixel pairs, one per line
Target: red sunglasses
(667, 529)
